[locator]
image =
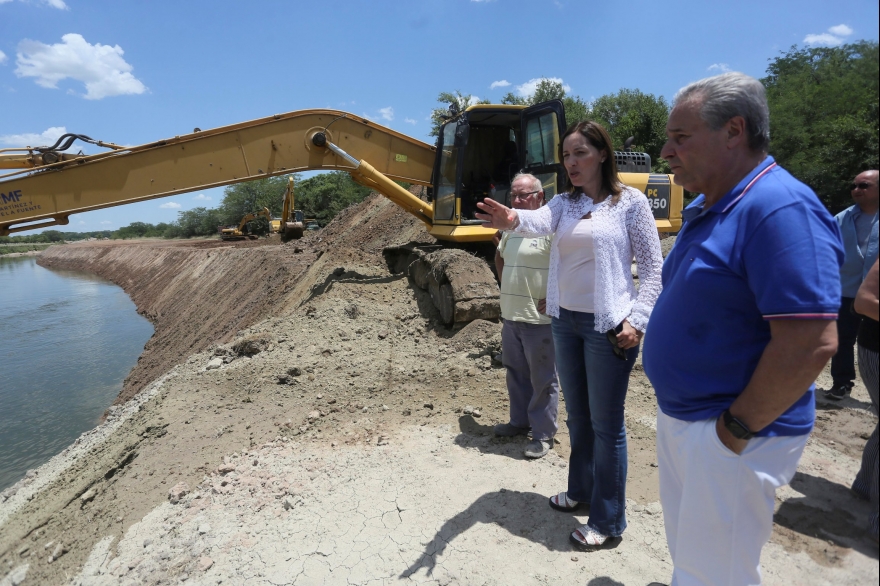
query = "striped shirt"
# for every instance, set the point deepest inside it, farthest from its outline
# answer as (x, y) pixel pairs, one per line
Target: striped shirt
(524, 280)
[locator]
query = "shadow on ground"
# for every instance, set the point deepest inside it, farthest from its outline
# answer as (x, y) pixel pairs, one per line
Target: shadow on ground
(825, 404)
(525, 515)
(828, 512)
(477, 435)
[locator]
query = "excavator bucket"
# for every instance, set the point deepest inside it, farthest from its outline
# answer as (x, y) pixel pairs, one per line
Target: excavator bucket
(294, 230)
(461, 285)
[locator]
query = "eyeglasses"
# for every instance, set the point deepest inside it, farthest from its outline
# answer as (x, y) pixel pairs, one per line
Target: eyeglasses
(863, 185)
(522, 195)
(612, 337)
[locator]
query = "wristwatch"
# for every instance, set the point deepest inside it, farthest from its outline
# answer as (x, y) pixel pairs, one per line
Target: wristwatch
(736, 427)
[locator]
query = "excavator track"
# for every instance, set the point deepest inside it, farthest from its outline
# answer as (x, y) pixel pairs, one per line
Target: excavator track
(461, 284)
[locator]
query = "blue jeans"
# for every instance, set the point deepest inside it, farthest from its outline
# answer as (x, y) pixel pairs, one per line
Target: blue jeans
(594, 383)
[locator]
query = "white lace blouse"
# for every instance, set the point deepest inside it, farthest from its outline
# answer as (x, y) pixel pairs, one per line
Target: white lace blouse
(620, 231)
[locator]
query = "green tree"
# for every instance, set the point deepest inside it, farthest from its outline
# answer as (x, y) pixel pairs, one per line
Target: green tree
(633, 113)
(325, 195)
(245, 198)
(135, 230)
(53, 236)
(458, 101)
(824, 115)
(547, 89)
(196, 222)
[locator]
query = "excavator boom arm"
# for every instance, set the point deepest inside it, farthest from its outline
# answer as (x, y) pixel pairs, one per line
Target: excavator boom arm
(48, 194)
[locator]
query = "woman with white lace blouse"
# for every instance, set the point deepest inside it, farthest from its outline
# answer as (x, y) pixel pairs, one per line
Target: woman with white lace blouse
(598, 316)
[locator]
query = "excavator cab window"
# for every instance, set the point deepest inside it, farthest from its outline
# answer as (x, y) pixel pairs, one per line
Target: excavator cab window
(542, 128)
(452, 136)
(491, 159)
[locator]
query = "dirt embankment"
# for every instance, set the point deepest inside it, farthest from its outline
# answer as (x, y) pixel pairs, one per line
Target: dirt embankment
(306, 419)
(201, 293)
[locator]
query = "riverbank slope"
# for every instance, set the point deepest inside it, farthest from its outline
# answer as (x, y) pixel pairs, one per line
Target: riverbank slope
(301, 417)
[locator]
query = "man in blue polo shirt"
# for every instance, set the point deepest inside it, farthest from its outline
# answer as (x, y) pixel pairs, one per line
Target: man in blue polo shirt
(744, 325)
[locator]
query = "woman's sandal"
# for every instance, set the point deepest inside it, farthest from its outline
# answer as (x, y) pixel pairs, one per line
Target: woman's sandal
(561, 502)
(586, 538)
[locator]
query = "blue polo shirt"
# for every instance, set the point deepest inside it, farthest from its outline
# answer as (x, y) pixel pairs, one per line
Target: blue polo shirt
(771, 251)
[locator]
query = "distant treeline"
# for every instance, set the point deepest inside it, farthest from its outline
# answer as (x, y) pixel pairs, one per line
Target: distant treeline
(54, 237)
(320, 197)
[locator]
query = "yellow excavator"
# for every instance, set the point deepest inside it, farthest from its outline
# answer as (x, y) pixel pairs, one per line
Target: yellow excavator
(241, 232)
(292, 223)
(478, 151)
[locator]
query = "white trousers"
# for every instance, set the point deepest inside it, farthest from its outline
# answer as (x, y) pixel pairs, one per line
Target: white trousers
(718, 506)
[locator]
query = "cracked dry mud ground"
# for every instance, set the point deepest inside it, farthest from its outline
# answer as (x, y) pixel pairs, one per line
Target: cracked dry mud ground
(341, 453)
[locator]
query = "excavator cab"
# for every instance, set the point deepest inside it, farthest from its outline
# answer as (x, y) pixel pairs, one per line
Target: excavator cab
(483, 148)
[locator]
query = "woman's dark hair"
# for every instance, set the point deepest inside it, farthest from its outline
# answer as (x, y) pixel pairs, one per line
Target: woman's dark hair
(597, 136)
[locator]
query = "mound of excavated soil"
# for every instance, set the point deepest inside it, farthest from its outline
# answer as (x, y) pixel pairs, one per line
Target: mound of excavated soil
(198, 293)
(314, 423)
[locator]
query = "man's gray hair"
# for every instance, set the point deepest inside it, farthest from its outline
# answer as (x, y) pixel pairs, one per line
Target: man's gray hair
(725, 96)
(536, 183)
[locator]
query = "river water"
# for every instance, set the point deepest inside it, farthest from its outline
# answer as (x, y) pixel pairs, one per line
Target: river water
(69, 340)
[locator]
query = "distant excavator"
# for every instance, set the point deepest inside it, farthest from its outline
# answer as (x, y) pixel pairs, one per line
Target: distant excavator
(478, 151)
(292, 223)
(241, 232)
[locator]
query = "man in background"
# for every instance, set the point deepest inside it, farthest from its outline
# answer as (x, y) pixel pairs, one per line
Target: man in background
(526, 340)
(858, 226)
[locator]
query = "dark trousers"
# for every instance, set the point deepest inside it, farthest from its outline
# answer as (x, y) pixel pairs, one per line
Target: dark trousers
(527, 353)
(866, 483)
(843, 369)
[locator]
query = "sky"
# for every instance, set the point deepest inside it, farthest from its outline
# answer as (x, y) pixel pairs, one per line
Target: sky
(132, 72)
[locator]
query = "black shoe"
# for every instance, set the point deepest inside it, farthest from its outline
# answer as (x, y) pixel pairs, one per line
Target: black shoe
(838, 392)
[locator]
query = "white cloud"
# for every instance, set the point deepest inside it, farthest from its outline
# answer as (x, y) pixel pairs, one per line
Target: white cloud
(171, 205)
(836, 35)
(720, 67)
(528, 88)
(822, 39)
(387, 113)
(202, 197)
(45, 138)
(2, 54)
(81, 223)
(59, 4)
(100, 67)
(496, 84)
(474, 101)
(409, 121)
(106, 223)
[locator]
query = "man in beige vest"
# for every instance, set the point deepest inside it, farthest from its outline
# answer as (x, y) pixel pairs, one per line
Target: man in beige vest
(526, 339)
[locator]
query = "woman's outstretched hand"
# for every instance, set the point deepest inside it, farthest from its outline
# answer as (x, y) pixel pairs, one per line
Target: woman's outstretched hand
(496, 215)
